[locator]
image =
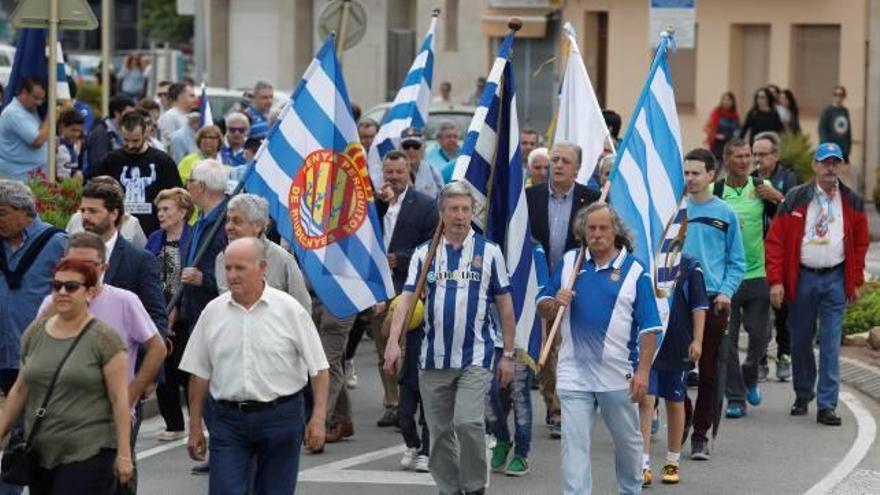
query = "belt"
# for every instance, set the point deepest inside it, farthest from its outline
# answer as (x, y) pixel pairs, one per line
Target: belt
(821, 270)
(252, 406)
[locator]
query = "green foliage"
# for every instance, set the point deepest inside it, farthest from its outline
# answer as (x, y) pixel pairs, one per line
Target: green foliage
(56, 202)
(90, 94)
(796, 152)
(160, 20)
(865, 314)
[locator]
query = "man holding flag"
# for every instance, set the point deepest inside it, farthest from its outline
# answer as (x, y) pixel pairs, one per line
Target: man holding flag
(464, 278)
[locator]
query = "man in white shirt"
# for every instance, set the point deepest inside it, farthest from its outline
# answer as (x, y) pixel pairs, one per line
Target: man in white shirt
(254, 349)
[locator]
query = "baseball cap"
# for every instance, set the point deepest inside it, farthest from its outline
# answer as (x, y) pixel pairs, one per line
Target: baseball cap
(826, 151)
(412, 134)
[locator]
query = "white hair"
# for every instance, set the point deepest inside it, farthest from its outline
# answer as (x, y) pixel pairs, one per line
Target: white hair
(538, 152)
(453, 189)
(212, 173)
(237, 116)
(254, 208)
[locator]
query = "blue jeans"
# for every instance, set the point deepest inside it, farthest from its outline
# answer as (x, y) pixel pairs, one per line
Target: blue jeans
(517, 396)
(272, 437)
(822, 295)
(621, 416)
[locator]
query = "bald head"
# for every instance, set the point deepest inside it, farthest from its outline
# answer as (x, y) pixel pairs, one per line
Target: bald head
(245, 263)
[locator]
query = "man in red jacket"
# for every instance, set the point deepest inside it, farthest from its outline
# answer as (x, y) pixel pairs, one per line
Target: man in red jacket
(815, 261)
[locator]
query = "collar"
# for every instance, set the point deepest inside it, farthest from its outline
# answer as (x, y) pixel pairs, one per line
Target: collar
(111, 243)
(400, 198)
(615, 263)
(263, 299)
(214, 213)
(821, 191)
(31, 230)
(467, 240)
(553, 191)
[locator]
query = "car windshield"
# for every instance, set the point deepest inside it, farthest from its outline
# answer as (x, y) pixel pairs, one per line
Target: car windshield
(461, 119)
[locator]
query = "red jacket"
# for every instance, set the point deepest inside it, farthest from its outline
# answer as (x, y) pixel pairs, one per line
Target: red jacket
(783, 243)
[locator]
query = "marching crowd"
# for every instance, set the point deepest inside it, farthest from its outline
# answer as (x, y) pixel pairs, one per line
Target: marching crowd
(163, 282)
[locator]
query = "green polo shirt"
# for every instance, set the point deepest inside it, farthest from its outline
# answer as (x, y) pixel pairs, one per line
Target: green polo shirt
(749, 208)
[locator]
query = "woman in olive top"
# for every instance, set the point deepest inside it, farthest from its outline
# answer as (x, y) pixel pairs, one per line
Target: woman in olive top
(82, 443)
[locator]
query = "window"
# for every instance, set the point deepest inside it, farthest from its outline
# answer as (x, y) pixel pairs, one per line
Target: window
(809, 44)
(450, 25)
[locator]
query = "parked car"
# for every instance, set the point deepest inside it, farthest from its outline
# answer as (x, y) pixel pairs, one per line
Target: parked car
(438, 113)
(7, 55)
(224, 101)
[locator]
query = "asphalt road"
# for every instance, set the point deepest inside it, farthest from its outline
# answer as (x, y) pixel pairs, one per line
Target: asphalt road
(766, 452)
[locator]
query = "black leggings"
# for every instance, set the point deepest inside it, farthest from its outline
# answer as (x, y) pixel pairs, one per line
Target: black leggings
(168, 393)
(93, 476)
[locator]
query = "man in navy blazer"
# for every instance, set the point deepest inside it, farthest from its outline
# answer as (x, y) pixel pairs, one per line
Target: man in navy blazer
(409, 218)
(553, 206)
(129, 267)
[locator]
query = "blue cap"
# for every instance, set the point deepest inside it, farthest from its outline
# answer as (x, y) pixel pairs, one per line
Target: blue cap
(826, 151)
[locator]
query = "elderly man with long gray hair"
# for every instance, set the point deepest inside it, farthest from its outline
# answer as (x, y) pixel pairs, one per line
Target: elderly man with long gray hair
(247, 215)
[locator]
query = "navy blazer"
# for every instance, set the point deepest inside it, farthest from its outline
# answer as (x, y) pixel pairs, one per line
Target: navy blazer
(415, 225)
(193, 298)
(537, 198)
(135, 269)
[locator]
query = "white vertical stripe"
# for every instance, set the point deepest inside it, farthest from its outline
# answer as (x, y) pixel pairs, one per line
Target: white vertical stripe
(664, 198)
(632, 175)
(664, 93)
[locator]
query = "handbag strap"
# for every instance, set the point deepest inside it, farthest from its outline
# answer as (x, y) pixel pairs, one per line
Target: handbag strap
(42, 409)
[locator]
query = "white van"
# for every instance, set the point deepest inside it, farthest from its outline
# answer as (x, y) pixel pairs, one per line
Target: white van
(7, 55)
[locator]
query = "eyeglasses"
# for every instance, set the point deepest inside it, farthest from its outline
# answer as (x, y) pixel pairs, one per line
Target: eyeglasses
(760, 155)
(162, 95)
(237, 130)
(411, 146)
(70, 287)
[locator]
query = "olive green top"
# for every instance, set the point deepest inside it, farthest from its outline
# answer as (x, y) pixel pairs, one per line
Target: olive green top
(79, 416)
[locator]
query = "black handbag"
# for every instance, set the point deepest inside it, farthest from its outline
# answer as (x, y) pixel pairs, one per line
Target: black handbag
(19, 460)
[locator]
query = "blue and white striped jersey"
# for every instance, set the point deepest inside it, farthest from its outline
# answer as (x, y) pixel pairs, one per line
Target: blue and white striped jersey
(612, 306)
(460, 330)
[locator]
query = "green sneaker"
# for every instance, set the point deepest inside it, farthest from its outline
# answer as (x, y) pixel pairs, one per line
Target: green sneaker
(518, 466)
(499, 456)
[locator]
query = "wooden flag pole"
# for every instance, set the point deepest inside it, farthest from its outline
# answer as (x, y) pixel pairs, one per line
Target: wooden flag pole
(551, 335)
(423, 279)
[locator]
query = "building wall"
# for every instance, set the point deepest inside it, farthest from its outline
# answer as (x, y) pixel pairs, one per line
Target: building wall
(718, 66)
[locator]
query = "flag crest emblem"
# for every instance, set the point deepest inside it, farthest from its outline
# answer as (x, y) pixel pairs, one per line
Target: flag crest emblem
(329, 197)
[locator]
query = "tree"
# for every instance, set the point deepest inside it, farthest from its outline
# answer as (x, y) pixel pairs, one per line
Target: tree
(161, 22)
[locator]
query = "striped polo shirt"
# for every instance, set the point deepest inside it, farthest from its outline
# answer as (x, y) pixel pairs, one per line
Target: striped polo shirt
(612, 306)
(460, 330)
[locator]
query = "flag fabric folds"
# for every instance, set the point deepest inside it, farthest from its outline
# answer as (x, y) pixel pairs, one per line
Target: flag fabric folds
(32, 60)
(647, 182)
(579, 119)
(313, 172)
(490, 162)
(410, 106)
(206, 117)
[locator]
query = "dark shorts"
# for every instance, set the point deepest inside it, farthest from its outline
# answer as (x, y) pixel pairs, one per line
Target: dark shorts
(668, 385)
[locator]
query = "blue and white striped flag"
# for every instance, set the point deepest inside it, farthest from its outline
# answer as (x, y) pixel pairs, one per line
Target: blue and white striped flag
(647, 182)
(206, 117)
(491, 152)
(410, 107)
(668, 257)
(313, 172)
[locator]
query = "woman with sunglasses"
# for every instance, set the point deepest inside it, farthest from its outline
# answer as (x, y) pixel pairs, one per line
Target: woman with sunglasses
(82, 442)
(208, 139)
(237, 128)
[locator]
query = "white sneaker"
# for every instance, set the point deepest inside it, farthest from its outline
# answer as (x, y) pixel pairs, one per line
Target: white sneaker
(408, 459)
(421, 464)
(351, 377)
(170, 436)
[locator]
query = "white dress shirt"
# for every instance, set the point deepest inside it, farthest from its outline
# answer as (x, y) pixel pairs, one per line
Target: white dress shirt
(390, 219)
(256, 354)
(823, 251)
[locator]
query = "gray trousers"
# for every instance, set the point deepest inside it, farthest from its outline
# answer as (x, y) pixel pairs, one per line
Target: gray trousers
(750, 308)
(334, 338)
(455, 409)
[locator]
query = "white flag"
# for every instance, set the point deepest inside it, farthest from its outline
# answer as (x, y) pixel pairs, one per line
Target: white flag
(579, 119)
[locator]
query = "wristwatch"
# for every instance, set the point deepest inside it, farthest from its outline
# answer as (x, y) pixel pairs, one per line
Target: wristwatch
(508, 354)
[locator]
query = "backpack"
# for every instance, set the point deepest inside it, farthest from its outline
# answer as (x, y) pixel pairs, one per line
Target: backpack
(13, 277)
(769, 206)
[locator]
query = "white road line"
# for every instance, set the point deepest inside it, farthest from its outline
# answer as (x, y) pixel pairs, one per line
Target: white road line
(338, 472)
(866, 431)
(161, 448)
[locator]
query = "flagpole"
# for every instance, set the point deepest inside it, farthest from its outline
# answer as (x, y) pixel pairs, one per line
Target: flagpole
(53, 85)
(343, 26)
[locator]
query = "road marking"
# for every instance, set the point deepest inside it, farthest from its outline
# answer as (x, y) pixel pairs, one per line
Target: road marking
(161, 448)
(338, 472)
(866, 430)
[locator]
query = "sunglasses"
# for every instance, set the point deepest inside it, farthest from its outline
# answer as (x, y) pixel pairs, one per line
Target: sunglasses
(69, 287)
(411, 146)
(237, 130)
(162, 95)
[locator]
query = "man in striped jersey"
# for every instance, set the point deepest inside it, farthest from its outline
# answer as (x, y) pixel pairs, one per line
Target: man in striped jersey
(466, 276)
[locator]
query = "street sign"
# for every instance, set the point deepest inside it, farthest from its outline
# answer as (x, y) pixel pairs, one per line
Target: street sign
(680, 14)
(354, 27)
(72, 14)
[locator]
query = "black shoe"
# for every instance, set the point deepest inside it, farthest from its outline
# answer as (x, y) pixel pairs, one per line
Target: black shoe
(388, 419)
(800, 407)
(199, 469)
(828, 417)
(481, 491)
(699, 448)
(693, 378)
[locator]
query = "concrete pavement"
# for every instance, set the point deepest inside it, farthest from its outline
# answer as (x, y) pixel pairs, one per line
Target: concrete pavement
(766, 452)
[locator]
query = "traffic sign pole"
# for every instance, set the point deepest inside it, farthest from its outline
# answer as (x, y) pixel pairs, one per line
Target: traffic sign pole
(105, 58)
(53, 85)
(343, 24)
